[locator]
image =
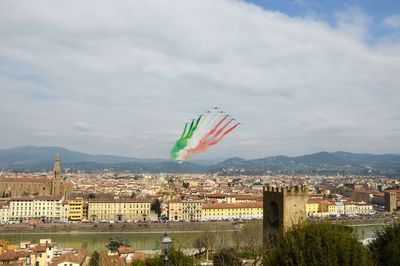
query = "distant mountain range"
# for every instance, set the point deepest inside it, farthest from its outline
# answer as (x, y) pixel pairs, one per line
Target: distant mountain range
(42, 158)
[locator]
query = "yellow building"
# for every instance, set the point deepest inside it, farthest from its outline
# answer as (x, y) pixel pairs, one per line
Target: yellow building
(175, 210)
(75, 209)
(4, 245)
(320, 207)
(332, 209)
(312, 207)
(4, 213)
(229, 211)
(118, 210)
(350, 208)
(191, 210)
(364, 208)
(185, 210)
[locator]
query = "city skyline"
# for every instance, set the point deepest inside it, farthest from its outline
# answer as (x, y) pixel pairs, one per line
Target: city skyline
(122, 78)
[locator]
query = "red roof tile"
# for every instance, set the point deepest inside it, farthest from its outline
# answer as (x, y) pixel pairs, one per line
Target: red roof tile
(233, 205)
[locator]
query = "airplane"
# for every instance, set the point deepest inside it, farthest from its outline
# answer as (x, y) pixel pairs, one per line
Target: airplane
(215, 107)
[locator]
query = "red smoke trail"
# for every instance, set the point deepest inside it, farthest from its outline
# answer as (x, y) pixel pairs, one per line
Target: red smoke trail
(204, 140)
(204, 143)
(214, 129)
(222, 129)
(222, 136)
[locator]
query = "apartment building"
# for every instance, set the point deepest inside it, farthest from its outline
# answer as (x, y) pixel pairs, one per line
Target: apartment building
(191, 210)
(184, 210)
(75, 209)
(230, 211)
(46, 208)
(175, 210)
(118, 210)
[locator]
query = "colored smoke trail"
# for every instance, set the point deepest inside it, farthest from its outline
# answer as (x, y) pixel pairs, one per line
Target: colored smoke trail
(212, 143)
(201, 133)
(216, 134)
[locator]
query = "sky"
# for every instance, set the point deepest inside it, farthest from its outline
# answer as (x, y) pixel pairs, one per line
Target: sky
(123, 77)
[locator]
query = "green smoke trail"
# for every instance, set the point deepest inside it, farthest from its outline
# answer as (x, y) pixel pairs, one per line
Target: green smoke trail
(184, 131)
(182, 142)
(194, 127)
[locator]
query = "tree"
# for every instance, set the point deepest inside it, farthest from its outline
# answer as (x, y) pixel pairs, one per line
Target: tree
(94, 259)
(385, 247)
(116, 242)
(252, 244)
(176, 257)
(317, 243)
(205, 243)
(227, 257)
(156, 206)
(91, 196)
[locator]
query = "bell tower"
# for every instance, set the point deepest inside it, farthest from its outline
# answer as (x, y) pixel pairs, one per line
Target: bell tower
(57, 167)
(57, 182)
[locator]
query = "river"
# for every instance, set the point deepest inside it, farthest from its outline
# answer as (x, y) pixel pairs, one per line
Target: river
(140, 241)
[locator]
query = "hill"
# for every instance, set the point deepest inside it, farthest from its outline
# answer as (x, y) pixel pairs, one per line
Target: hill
(42, 158)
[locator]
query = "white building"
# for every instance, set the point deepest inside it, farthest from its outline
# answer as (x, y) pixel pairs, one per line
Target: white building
(47, 208)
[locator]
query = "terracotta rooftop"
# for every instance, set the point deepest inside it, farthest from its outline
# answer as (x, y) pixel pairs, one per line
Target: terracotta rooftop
(25, 180)
(118, 201)
(321, 201)
(113, 260)
(40, 248)
(217, 195)
(248, 197)
(36, 198)
(233, 205)
(125, 250)
(73, 257)
(8, 255)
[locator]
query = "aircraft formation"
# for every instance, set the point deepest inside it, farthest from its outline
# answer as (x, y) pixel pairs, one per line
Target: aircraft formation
(203, 132)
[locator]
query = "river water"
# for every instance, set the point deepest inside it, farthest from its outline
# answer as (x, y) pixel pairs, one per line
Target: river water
(141, 241)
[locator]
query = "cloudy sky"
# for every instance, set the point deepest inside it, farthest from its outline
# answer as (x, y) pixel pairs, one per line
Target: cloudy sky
(122, 77)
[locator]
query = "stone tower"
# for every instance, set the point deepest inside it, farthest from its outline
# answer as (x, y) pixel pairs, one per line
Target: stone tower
(390, 201)
(59, 186)
(283, 207)
(57, 167)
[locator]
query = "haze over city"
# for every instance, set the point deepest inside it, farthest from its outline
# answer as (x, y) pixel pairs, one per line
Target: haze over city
(212, 132)
(123, 77)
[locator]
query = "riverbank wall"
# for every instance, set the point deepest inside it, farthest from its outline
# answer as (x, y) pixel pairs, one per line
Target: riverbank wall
(121, 227)
(162, 227)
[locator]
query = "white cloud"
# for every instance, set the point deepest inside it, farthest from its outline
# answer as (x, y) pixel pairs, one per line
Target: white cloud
(133, 72)
(353, 22)
(392, 21)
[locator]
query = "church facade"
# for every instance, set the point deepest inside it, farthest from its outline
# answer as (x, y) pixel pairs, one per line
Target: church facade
(54, 186)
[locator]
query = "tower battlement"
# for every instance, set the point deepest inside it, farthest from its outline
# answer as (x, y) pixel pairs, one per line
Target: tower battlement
(296, 190)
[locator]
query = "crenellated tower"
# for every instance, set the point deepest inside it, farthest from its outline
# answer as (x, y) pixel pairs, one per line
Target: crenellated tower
(283, 207)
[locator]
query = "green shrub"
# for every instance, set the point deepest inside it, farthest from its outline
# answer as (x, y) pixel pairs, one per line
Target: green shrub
(176, 258)
(385, 247)
(94, 259)
(317, 243)
(227, 257)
